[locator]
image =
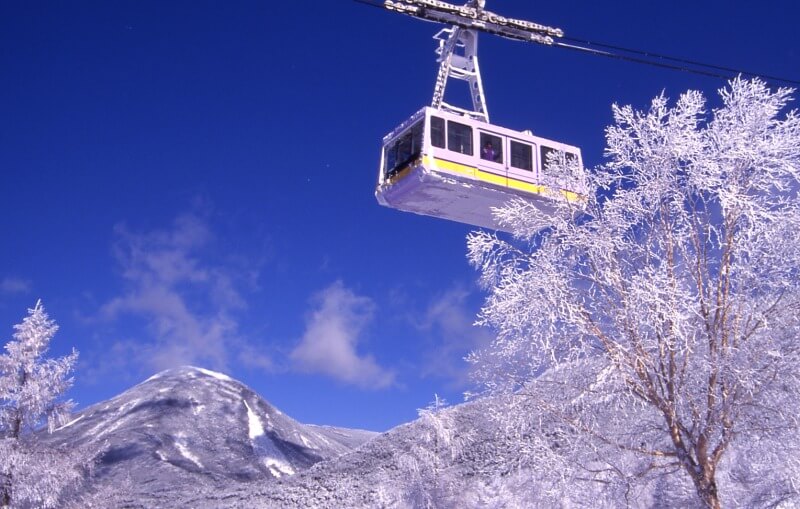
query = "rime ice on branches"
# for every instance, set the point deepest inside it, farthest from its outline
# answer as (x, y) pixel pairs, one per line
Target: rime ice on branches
(660, 328)
(31, 391)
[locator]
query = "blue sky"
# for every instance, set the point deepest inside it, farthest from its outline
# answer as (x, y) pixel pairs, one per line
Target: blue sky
(191, 182)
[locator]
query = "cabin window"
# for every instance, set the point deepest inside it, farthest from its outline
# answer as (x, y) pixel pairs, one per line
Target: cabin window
(569, 157)
(521, 156)
(416, 138)
(459, 138)
(405, 148)
(437, 132)
(491, 148)
(389, 159)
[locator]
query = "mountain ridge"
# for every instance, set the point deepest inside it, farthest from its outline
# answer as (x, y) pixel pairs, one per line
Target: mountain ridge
(190, 425)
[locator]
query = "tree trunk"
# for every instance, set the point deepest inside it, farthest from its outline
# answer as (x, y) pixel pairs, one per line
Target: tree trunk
(7, 482)
(706, 486)
(711, 497)
(5, 493)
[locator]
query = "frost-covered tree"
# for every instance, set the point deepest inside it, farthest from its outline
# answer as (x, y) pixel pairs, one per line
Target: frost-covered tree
(660, 324)
(439, 435)
(428, 463)
(31, 390)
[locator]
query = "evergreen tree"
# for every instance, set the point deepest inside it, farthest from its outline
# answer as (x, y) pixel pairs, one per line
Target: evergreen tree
(31, 390)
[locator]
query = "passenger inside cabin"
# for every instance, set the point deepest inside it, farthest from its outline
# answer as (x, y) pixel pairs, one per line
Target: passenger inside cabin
(488, 152)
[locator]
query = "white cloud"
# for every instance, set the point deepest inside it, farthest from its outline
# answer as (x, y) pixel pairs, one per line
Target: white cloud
(14, 285)
(332, 334)
(188, 302)
(449, 320)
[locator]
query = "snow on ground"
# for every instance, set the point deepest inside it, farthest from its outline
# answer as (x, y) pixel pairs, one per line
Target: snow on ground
(254, 423)
(128, 406)
(228, 392)
(185, 452)
(218, 376)
(103, 427)
(115, 425)
(306, 441)
(70, 423)
(323, 439)
(270, 455)
(277, 467)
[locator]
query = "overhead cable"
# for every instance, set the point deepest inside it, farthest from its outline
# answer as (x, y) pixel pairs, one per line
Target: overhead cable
(443, 12)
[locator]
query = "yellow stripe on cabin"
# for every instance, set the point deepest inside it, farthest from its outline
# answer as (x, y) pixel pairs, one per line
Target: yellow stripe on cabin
(491, 178)
(399, 175)
(450, 166)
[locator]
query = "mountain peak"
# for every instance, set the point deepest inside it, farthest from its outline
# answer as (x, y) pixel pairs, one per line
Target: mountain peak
(191, 372)
(189, 420)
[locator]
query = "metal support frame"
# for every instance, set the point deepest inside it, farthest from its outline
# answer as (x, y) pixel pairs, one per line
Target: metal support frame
(458, 59)
(458, 45)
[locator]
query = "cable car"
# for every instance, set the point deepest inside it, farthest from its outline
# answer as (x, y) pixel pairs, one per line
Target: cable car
(451, 162)
(450, 166)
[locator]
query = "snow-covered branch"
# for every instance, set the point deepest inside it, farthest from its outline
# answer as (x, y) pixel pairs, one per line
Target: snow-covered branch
(680, 279)
(31, 390)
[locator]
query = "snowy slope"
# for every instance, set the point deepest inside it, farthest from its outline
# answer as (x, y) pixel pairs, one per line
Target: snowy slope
(197, 439)
(459, 461)
(193, 438)
(189, 428)
(466, 456)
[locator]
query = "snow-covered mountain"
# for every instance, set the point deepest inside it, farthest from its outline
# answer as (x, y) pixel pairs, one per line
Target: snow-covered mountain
(188, 428)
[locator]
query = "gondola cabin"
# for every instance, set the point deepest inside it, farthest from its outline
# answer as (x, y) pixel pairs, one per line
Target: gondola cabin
(446, 165)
